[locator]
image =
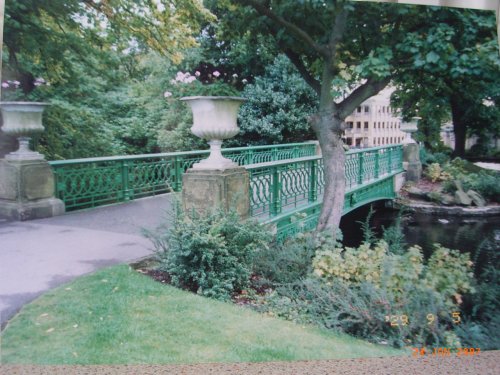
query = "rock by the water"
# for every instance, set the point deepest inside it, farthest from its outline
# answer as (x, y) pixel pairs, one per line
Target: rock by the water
(447, 200)
(415, 192)
(443, 221)
(462, 198)
(476, 198)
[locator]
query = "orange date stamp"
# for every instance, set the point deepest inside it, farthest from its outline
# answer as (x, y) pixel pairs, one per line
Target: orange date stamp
(403, 319)
(445, 352)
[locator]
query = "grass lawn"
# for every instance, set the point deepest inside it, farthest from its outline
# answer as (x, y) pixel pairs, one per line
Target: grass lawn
(117, 316)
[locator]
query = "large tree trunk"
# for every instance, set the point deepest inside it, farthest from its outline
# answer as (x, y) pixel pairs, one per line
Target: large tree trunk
(333, 152)
(458, 112)
(328, 128)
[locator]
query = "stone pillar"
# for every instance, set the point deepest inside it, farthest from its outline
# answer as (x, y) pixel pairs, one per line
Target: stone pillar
(207, 189)
(411, 162)
(27, 190)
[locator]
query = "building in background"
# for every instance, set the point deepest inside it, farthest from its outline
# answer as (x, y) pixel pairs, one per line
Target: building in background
(374, 123)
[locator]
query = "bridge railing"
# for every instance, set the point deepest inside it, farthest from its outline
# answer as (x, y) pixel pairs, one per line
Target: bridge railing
(283, 186)
(90, 182)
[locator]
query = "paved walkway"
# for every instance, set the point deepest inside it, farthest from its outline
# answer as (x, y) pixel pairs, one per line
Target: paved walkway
(486, 363)
(39, 255)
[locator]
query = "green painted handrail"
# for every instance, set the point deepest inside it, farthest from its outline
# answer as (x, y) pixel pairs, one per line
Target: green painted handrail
(90, 182)
(285, 186)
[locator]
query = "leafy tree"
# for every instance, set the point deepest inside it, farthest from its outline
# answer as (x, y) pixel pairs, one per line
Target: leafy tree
(277, 107)
(454, 71)
(87, 50)
(350, 45)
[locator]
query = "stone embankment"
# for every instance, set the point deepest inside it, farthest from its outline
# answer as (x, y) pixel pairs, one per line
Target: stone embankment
(438, 210)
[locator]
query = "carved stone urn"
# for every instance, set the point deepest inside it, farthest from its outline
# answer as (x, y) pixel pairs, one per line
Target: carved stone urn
(23, 120)
(215, 182)
(214, 119)
(409, 128)
(26, 178)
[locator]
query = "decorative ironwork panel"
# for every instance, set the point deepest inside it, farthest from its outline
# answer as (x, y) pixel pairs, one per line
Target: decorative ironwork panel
(351, 170)
(83, 183)
(301, 181)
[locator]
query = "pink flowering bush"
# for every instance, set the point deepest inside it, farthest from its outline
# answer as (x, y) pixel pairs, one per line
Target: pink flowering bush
(187, 84)
(16, 91)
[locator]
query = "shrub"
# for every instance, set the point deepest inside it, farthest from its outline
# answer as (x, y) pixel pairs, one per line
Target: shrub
(378, 295)
(364, 311)
(210, 254)
(435, 173)
(486, 184)
(286, 262)
(482, 320)
(278, 106)
(447, 273)
(427, 157)
(472, 177)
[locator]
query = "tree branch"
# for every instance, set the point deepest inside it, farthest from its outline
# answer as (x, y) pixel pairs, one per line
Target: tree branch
(368, 89)
(338, 30)
(300, 34)
(310, 80)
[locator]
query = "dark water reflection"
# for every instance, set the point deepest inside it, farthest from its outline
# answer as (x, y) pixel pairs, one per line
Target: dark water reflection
(479, 236)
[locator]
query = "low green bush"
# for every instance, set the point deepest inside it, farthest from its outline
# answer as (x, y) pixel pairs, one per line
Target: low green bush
(435, 173)
(210, 254)
(447, 272)
(286, 262)
(441, 157)
(378, 293)
(481, 316)
(366, 311)
(486, 184)
(471, 177)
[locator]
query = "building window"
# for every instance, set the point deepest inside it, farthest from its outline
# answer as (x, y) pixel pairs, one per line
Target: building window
(350, 124)
(358, 124)
(383, 125)
(366, 124)
(359, 109)
(367, 109)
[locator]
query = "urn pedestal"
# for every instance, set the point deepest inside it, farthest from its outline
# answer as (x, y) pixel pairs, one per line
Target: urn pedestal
(216, 182)
(411, 151)
(27, 190)
(26, 179)
(204, 190)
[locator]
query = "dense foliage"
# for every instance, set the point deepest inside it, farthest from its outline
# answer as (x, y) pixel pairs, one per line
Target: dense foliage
(278, 106)
(91, 55)
(453, 74)
(211, 254)
(380, 293)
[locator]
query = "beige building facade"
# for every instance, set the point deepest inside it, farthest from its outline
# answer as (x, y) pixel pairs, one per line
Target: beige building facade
(374, 123)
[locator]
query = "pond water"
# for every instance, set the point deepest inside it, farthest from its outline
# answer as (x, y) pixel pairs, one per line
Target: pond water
(479, 236)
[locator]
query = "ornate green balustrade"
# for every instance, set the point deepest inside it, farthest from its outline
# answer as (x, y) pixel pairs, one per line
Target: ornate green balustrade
(83, 183)
(288, 193)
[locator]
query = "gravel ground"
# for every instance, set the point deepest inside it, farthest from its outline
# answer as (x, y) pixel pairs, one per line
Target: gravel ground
(487, 362)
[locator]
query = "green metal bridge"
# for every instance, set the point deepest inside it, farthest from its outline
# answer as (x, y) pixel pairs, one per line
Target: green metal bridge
(286, 181)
